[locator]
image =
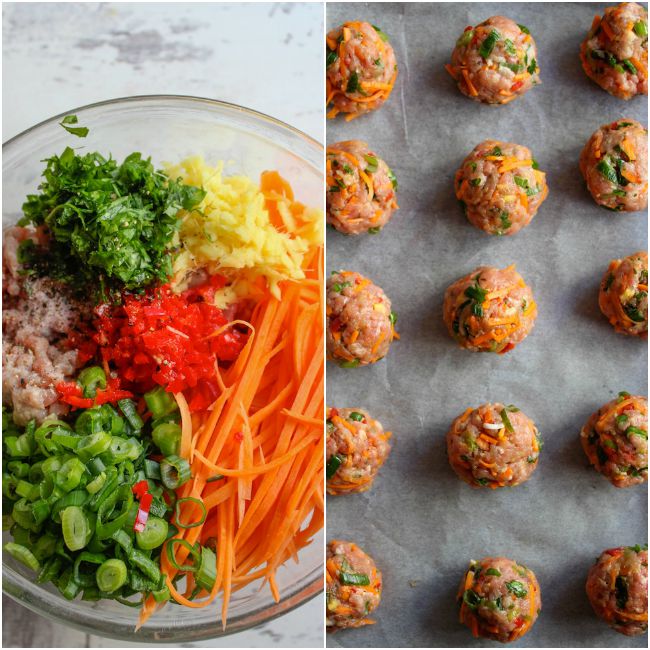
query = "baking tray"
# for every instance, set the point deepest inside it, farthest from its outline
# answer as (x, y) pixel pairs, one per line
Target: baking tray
(419, 522)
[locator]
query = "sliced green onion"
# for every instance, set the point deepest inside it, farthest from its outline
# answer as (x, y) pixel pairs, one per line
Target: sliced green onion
(22, 554)
(93, 445)
(145, 564)
(152, 469)
(76, 530)
(192, 550)
(90, 379)
(641, 28)
(111, 575)
(96, 484)
(50, 570)
(196, 502)
(70, 474)
(82, 576)
(161, 595)
(160, 402)
(354, 579)
(167, 437)
(488, 44)
(127, 407)
(67, 585)
(207, 572)
(111, 518)
(506, 421)
(153, 535)
(333, 465)
(174, 472)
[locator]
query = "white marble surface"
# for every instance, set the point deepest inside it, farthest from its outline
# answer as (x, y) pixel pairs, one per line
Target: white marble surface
(264, 56)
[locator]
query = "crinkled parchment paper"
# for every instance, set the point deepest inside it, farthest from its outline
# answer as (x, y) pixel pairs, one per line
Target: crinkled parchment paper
(421, 524)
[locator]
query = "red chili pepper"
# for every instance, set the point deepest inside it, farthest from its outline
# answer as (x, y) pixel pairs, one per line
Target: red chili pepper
(517, 85)
(519, 621)
(140, 488)
(143, 512)
(334, 413)
(469, 28)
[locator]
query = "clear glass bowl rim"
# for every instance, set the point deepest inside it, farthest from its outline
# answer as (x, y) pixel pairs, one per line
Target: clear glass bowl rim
(18, 588)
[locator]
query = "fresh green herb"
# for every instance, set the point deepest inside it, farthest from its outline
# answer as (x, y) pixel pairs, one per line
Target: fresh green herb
(621, 420)
(621, 592)
(623, 395)
(510, 46)
(606, 170)
(477, 294)
(493, 572)
(610, 444)
(372, 163)
(111, 225)
(381, 34)
(629, 65)
(471, 598)
(505, 220)
(378, 62)
(532, 67)
(488, 44)
(79, 131)
(392, 178)
(392, 317)
(475, 182)
(355, 416)
(496, 151)
(473, 166)
(347, 169)
(535, 164)
(641, 28)
(354, 86)
(332, 57)
(354, 579)
(482, 481)
(333, 465)
(635, 431)
(374, 231)
(353, 363)
(515, 67)
(517, 588)
(339, 286)
(638, 548)
(523, 28)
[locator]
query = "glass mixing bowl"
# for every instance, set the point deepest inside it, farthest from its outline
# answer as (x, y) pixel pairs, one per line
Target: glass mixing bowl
(169, 128)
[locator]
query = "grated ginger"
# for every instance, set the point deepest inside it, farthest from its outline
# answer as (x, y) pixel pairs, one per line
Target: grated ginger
(232, 233)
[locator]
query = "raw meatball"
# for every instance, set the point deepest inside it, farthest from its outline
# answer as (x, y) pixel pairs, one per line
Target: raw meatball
(361, 69)
(495, 62)
(360, 189)
(493, 446)
(500, 187)
(353, 586)
(617, 588)
(359, 320)
(623, 296)
(615, 440)
(499, 599)
(614, 164)
(489, 310)
(357, 447)
(615, 52)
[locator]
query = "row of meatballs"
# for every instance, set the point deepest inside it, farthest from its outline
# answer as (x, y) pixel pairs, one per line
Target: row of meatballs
(488, 310)
(494, 445)
(494, 63)
(499, 185)
(498, 598)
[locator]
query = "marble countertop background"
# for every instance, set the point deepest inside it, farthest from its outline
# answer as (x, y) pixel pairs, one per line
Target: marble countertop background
(60, 56)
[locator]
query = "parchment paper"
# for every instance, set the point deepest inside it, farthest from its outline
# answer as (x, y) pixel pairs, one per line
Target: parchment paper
(421, 524)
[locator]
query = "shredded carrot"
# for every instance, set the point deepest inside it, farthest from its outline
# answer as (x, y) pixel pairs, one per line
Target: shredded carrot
(607, 30)
(470, 86)
(263, 434)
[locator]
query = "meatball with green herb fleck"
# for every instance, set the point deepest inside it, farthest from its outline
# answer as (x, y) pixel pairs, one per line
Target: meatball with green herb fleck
(623, 296)
(499, 599)
(493, 446)
(615, 52)
(357, 446)
(353, 586)
(360, 189)
(500, 187)
(495, 62)
(617, 588)
(615, 439)
(489, 310)
(614, 164)
(359, 320)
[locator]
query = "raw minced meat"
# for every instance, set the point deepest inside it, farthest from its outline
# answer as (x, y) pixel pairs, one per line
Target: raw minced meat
(615, 52)
(495, 62)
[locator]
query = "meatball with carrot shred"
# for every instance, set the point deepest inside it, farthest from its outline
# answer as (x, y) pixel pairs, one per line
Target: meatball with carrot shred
(499, 599)
(360, 69)
(495, 62)
(489, 310)
(617, 588)
(353, 586)
(623, 296)
(360, 323)
(493, 446)
(500, 187)
(360, 189)
(615, 439)
(614, 164)
(615, 52)
(357, 446)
